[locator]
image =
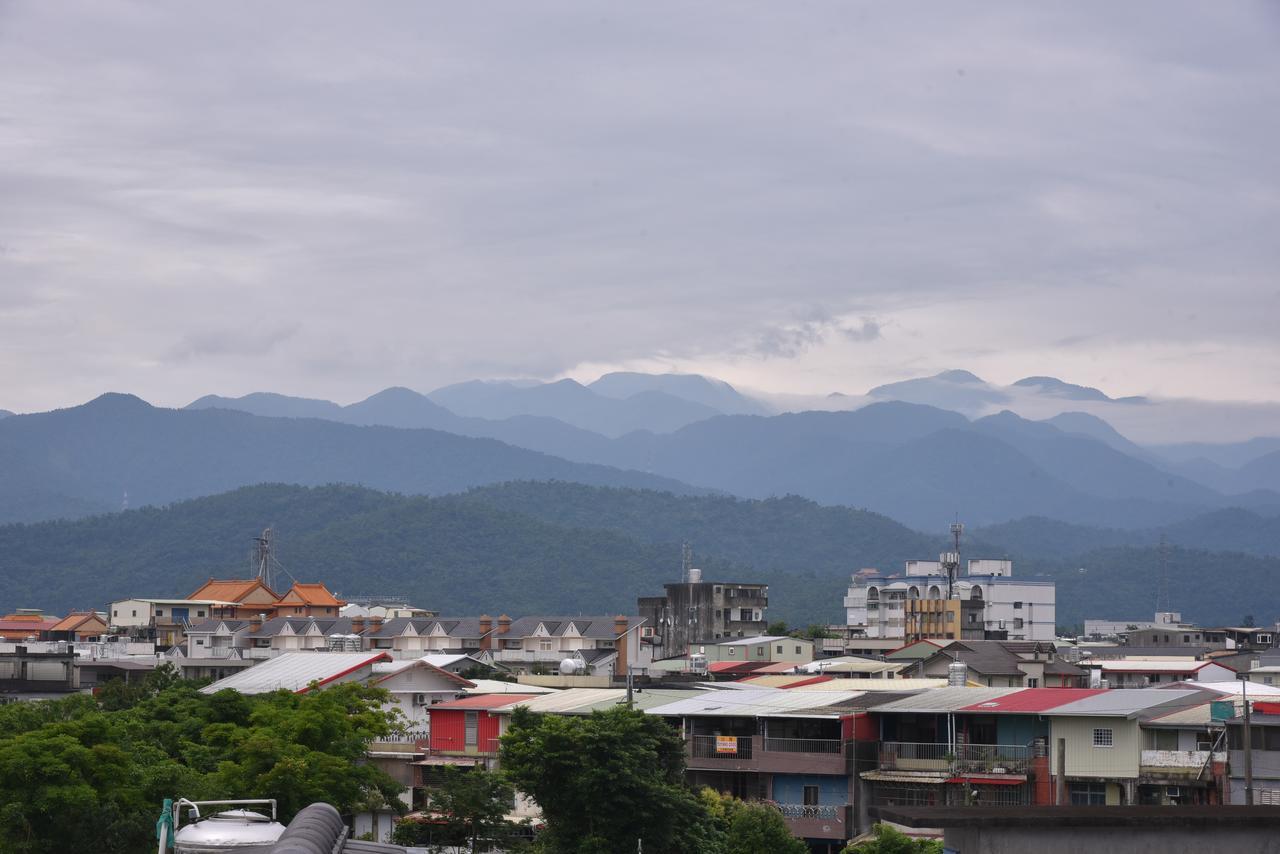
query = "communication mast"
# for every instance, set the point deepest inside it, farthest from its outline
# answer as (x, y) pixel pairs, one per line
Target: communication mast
(264, 558)
(1162, 585)
(951, 560)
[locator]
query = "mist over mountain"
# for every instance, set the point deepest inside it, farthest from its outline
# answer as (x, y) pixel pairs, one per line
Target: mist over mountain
(713, 393)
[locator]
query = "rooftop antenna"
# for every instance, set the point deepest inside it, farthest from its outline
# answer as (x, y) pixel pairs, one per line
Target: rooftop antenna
(264, 559)
(951, 560)
(686, 561)
(124, 501)
(1162, 585)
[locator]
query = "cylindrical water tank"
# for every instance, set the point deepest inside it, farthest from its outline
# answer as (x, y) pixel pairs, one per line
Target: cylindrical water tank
(957, 674)
(695, 575)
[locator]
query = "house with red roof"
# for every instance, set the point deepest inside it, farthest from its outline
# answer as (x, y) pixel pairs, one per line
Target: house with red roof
(26, 624)
(308, 600)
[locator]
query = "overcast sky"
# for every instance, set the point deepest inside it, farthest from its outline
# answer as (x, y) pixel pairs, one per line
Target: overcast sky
(327, 199)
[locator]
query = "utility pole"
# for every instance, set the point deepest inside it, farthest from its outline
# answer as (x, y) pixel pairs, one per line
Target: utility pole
(1248, 742)
(1062, 773)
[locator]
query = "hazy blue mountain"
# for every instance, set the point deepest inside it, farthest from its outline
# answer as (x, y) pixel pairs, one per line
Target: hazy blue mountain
(401, 407)
(1229, 455)
(271, 405)
(1259, 474)
(1084, 424)
(716, 394)
(573, 403)
(1232, 529)
(115, 444)
(1058, 388)
(1092, 466)
(4, 413)
(957, 390)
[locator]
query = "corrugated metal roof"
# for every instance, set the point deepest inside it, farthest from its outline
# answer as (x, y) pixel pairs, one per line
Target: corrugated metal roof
(497, 686)
(877, 685)
(853, 665)
(789, 681)
(1194, 716)
(1231, 687)
(1130, 665)
(1033, 700)
(487, 702)
(1128, 702)
(759, 702)
(294, 671)
(946, 699)
(571, 700)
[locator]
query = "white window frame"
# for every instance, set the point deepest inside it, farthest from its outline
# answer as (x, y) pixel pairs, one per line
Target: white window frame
(1104, 737)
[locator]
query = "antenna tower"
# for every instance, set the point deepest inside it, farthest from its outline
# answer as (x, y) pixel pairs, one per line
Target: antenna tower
(1162, 584)
(951, 560)
(686, 561)
(264, 558)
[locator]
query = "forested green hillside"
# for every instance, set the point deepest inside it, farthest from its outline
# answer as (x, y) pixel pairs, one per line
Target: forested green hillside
(553, 547)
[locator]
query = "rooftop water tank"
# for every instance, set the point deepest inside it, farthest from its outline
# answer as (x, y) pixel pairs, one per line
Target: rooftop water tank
(957, 674)
(227, 831)
(572, 667)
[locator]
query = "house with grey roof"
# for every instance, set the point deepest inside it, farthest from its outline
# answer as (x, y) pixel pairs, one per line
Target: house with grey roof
(1004, 664)
(597, 645)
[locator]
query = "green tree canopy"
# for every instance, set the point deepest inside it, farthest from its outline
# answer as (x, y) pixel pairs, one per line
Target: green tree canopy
(607, 780)
(469, 807)
(750, 828)
(890, 841)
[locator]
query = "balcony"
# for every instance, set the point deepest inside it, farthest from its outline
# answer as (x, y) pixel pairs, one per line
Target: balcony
(774, 755)
(812, 821)
(486, 747)
(1178, 763)
(961, 759)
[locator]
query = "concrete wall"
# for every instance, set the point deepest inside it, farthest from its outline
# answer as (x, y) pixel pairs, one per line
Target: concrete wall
(1121, 760)
(1147, 840)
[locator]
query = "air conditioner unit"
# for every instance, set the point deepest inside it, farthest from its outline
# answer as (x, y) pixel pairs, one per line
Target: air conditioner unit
(421, 699)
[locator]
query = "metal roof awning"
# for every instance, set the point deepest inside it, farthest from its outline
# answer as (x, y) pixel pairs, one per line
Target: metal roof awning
(904, 777)
(990, 781)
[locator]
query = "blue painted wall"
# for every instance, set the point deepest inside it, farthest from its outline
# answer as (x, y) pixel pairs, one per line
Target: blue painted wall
(789, 788)
(1020, 729)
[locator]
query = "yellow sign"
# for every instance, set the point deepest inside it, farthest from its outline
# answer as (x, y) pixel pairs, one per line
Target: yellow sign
(726, 744)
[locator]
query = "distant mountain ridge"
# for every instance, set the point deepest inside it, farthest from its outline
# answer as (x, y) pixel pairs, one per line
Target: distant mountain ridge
(95, 454)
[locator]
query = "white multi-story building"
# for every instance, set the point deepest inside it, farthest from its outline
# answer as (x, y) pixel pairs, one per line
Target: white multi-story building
(1009, 610)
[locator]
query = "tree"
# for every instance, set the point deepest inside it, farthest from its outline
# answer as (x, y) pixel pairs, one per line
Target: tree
(606, 781)
(1248, 622)
(750, 827)
(890, 841)
(470, 806)
(778, 628)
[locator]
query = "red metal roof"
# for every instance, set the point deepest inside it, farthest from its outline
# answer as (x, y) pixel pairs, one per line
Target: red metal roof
(736, 666)
(1033, 700)
(483, 701)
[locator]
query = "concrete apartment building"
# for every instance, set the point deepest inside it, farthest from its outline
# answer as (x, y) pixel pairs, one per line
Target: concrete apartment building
(985, 604)
(694, 611)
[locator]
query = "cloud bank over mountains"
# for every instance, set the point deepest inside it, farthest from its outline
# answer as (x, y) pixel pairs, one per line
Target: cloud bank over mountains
(324, 201)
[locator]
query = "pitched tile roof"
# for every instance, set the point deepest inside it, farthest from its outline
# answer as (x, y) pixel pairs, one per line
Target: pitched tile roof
(315, 595)
(230, 590)
(75, 620)
(301, 625)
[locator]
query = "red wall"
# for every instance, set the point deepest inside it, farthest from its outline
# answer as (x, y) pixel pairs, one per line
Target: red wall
(860, 727)
(449, 729)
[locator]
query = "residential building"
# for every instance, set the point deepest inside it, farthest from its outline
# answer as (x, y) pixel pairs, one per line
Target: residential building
(597, 645)
(415, 686)
(694, 610)
(250, 597)
(465, 732)
(1264, 729)
(1103, 629)
(164, 621)
(1014, 664)
(280, 635)
(769, 648)
(987, 603)
(1145, 672)
(308, 600)
(26, 624)
(413, 637)
(79, 626)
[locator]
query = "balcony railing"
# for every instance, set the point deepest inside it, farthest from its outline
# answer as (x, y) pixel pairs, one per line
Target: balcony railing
(830, 812)
(1178, 760)
(803, 745)
(960, 759)
(450, 744)
(720, 746)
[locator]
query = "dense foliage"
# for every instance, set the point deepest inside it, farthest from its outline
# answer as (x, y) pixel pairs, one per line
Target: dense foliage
(750, 827)
(568, 548)
(77, 775)
(890, 841)
(465, 808)
(607, 780)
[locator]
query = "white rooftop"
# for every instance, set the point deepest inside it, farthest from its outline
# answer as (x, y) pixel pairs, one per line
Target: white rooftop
(749, 641)
(497, 686)
(758, 702)
(294, 671)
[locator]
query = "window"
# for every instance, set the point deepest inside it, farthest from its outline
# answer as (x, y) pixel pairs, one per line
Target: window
(472, 729)
(1088, 794)
(116, 613)
(544, 645)
(1017, 606)
(1033, 682)
(810, 796)
(1104, 737)
(1166, 638)
(646, 632)
(719, 613)
(718, 589)
(798, 652)
(135, 612)
(1186, 638)
(779, 649)
(759, 650)
(199, 613)
(159, 612)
